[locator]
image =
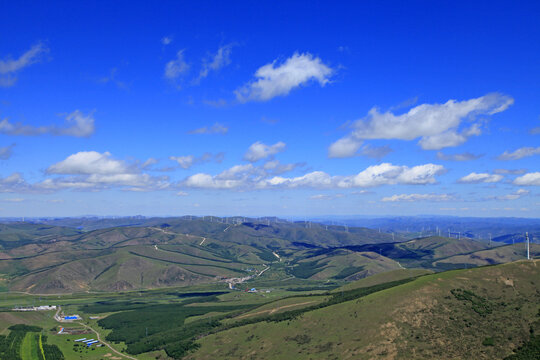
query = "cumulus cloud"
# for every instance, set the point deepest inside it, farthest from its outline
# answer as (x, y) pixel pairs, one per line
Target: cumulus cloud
(437, 125)
(258, 151)
(76, 124)
(91, 170)
(176, 67)
(418, 197)
(466, 156)
(519, 153)
(187, 161)
(217, 128)
(6, 152)
(513, 196)
(344, 147)
(477, 178)
(89, 162)
(275, 79)
(530, 179)
(217, 61)
(9, 67)
(14, 183)
(249, 177)
(88, 171)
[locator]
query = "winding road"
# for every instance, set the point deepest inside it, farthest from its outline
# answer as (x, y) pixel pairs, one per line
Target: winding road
(107, 345)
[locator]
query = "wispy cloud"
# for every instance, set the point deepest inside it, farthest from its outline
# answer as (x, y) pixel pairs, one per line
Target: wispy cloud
(166, 40)
(326, 196)
(376, 152)
(176, 67)
(77, 125)
(9, 67)
(466, 156)
(519, 153)
(509, 171)
(187, 161)
(437, 125)
(6, 152)
(111, 78)
(418, 197)
(275, 79)
(216, 61)
(217, 128)
(513, 196)
(477, 178)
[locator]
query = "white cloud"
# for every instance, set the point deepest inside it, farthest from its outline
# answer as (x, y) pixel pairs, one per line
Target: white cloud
(217, 128)
(249, 177)
(326, 196)
(519, 153)
(513, 196)
(437, 125)
(476, 178)
(418, 197)
(344, 147)
(274, 79)
(77, 125)
(177, 67)
(88, 171)
(387, 173)
(6, 152)
(90, 163)
(530, 179)
(221, 59)
(185, 162)
(376, 175)
(14, 183)
(9, 67)
(466, 156)
(258, 151)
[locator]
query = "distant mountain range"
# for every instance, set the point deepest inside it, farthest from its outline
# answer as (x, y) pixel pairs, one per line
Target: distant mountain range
(91, 254)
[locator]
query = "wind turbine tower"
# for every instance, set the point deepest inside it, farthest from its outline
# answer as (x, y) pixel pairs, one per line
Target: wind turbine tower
(528, 252)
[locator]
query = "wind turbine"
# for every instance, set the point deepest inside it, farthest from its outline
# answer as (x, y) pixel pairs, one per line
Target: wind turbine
(528, 252)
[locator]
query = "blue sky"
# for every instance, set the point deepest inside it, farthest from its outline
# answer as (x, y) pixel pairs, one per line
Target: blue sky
(270, 108)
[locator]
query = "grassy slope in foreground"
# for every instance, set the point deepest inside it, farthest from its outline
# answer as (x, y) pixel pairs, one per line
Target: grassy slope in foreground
(422, 319)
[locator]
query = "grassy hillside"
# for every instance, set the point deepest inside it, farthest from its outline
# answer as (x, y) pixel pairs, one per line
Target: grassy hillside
(480, 313)
(497, 255)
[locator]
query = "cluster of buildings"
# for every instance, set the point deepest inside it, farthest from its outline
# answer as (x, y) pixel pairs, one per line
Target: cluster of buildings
(88, 342)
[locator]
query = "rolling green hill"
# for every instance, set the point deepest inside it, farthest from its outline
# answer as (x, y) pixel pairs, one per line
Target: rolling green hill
(480, 313)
